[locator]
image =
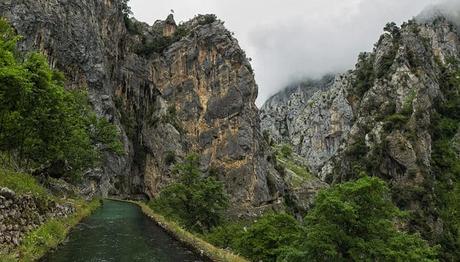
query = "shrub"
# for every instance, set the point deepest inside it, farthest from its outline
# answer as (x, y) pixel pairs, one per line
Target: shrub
(286, 151)
(268, 237)
(365, 75)
(208, 19)
(170, 157)
(395, 121)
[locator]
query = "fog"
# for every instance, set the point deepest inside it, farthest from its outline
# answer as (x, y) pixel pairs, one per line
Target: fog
(293, 39)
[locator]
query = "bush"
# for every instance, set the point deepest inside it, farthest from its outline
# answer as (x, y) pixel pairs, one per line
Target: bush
(268, 237)
(194, 201)
(286, 151)
(170, 157)
(395, 121)
(365, 75)
(226, 235)
(208, 19)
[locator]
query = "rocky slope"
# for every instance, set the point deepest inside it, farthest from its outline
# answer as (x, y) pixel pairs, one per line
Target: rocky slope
(279, 113)
(388, 117)
(313, 117)
(171, 89)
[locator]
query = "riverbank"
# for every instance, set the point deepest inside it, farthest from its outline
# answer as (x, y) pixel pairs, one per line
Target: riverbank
(202, 247)
(49, 235)
(26, 207)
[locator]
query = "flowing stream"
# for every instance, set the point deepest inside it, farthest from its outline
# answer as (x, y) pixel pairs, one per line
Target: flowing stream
(119, 231)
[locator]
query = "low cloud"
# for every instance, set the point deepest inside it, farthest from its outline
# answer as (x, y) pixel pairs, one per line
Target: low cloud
(292, 39)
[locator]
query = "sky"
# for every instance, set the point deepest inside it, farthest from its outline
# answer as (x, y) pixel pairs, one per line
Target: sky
(289, 40)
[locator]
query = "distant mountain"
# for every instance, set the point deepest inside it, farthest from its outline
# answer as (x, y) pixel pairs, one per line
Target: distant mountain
(395, 116)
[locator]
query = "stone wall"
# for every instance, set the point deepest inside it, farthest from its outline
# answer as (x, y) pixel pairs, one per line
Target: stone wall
(19, 214)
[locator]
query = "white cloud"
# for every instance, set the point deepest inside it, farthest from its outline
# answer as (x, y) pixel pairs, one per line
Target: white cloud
(288, 39)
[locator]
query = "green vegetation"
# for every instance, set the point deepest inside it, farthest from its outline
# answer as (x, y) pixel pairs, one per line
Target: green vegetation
(365, 72)
(286, 151)
(196, 202)
(356, 221)
(41, 123)
(39, 241)
(446, 164)
(269, 237)
(353, 221)
(365, 75)
(160, 43)
(50, 234)
(395, 121)
(208, 19)
(210, 251)
(170, 158)
(22, 183)
(286, 160)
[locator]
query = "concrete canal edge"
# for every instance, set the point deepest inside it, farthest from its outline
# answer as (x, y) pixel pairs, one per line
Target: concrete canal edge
(198, 245)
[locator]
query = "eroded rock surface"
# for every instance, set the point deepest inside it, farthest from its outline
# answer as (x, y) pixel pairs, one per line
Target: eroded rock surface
(171, 89)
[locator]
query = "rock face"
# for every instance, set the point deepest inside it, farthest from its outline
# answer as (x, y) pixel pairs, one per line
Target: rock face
(400, 77)
(380, 119)
(171, 89)
(20, 214)
(313, 117)
(280, 112)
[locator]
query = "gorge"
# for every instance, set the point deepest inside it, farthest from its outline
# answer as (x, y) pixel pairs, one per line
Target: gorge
(357, 165)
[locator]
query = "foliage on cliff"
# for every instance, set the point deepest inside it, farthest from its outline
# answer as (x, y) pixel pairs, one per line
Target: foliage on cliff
(41, 123)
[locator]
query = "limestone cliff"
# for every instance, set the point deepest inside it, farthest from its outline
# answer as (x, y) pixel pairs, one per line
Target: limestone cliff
(387, 118)
(171, 89)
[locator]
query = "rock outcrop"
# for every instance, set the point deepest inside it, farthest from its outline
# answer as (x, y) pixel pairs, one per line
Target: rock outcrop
(171, 89)
(313, 117)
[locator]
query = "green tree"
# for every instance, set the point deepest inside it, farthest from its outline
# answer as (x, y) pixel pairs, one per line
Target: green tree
(195, 201)
(41, 123)
(269, 237)
(356, 221)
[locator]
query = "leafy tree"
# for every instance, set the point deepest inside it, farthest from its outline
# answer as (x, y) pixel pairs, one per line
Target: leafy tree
(41, 123)
(195, 201)
(269, 237)
(356, 221)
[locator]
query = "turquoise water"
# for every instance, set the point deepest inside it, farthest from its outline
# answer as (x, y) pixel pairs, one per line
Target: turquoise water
(119, 231)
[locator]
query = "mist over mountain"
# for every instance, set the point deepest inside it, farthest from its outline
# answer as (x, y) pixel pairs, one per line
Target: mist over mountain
(291, 40)
(449, 10)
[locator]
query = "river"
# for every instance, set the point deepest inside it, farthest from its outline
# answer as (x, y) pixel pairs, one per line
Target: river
(119, 231)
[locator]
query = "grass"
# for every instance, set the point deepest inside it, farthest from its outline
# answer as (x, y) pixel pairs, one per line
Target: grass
(301, 172)
(198, 244)
(22, 183)
(49, 235)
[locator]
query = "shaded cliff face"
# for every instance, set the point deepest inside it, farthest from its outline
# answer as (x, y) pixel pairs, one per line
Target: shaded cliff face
(170, 89)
